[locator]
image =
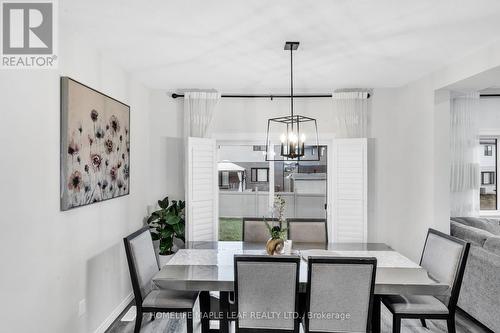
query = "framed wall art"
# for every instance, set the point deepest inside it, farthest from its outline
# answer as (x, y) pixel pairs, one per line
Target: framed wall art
(95, 146)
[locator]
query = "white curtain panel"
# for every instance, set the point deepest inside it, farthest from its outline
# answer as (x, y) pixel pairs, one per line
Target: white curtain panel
(464, 147)
(240, 179)
(350, 112)
(199, 109)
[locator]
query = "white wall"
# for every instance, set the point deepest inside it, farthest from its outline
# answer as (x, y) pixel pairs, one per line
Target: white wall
(403, 168)
(50, 259)
(489, 114)
(246, 119)
(166, 147)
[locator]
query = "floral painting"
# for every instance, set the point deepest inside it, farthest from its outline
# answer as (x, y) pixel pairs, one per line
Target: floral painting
(95, 146)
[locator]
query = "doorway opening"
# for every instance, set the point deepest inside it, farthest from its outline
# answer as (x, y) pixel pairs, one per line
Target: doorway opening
(248, 183)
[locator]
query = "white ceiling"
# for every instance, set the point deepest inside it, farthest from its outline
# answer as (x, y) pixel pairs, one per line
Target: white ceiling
(237, 46)
(487, 82)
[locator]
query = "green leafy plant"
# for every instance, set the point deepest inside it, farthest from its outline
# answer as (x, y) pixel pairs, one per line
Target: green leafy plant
(278, 231)
(166, 223)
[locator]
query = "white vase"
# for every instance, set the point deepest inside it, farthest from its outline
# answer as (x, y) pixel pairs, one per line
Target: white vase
(163, 260)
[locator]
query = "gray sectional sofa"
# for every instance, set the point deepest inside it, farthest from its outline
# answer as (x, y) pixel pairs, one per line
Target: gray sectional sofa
(480, 293)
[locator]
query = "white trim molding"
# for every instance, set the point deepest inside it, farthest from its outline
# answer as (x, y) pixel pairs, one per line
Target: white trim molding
(114, 315)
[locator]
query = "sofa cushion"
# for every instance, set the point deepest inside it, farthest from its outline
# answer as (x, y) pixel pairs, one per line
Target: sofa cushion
(480, 290)
(474, 235)
(492, 244)
(489, 225)
(457, 219)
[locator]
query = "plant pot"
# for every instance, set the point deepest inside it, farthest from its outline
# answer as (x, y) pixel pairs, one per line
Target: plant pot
(274, 246)
(163, 260)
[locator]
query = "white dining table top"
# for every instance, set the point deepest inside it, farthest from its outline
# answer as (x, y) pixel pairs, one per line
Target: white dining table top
(208, 266)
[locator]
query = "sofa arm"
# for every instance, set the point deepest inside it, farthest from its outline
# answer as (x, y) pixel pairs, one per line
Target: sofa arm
(470, 234)
(492, 245)
(480, 292)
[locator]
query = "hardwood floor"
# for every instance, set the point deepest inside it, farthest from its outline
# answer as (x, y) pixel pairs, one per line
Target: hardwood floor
(464, 325)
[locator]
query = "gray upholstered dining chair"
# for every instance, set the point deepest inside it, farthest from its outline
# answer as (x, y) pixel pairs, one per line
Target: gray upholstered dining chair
(444, 257)
(143, 266)
(255, 230)
(266, 285)
(307, 230)
(342, 288)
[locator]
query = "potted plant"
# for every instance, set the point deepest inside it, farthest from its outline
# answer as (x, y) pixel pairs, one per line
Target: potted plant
(275, 244)
(167, 224)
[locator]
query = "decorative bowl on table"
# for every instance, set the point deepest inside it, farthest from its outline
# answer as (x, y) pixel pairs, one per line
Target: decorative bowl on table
(275, 246)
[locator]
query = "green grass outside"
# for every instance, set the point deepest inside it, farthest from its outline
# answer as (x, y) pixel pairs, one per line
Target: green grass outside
(230, 229)
(488, 201)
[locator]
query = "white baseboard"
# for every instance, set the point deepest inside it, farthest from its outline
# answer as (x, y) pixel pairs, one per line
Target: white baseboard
(116, 312)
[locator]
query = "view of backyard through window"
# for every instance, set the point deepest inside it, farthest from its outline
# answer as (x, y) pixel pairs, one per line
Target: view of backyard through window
(247, 183)
(488, 167)
(230, 229)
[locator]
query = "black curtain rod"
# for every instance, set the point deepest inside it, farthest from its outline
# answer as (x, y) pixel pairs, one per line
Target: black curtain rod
(174, 95)
(489, 95)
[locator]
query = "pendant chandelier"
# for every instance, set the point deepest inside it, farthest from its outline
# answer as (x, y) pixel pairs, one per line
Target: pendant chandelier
(287, 135)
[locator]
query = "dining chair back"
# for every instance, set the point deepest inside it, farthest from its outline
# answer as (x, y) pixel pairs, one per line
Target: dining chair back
(307, 230)
(143, 266)
(444, 258)
(142, 261)
(266, 293)
(255, 229)
(339, 294)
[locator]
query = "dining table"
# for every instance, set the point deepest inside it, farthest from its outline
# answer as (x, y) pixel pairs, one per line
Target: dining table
(209, 266)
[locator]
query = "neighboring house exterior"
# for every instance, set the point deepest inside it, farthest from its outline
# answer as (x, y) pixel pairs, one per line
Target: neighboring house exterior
(488, 166)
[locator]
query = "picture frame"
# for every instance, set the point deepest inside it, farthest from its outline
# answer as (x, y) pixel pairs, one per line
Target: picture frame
(95, 146)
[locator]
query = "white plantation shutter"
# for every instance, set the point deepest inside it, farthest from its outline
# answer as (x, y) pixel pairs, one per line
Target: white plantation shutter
(201, 190)
(348, 190)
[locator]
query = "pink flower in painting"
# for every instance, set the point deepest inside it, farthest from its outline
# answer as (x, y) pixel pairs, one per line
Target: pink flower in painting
(73, 148)
(109, 146)
(114, 123)
(96, 160)
(113, 173)
(75, 181)
(94, 115)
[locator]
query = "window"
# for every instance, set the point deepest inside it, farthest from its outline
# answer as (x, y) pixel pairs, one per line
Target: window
(488, 167)
(488, 150)
(224, 179)
(487, 178)
(259, 175)
(259, 148)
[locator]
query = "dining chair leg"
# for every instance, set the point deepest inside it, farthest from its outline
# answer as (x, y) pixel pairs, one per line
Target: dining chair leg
(451, 323)
(396, 324)
(205, 311)
(138, 320)
(376, 308)
(224, 310)
(189, 322)
(424, 324)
